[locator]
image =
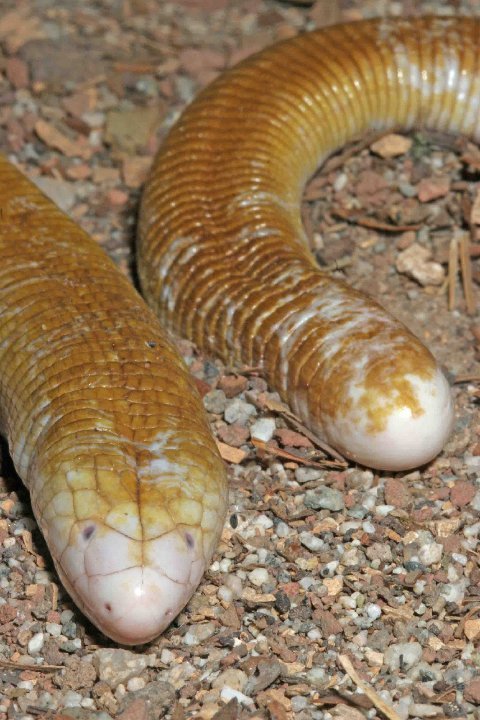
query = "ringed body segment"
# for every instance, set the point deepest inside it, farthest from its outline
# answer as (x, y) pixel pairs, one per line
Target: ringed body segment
(223, 255)
(103, 423)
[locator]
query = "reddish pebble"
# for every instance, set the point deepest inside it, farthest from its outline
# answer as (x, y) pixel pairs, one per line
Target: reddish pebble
(422, 515)
(78, 172)
(202, 386)
(232, 385)
(471, 692)
(137, 710)
(117, 197)
(462, 493)
(433, 188)
(442, 493)
(7, 613)
(370, 183)
(451, 544)
(17, 73)
(328, 623)
(397, 493)
(234, 435)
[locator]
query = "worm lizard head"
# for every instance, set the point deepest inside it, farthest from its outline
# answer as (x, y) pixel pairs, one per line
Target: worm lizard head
(130, 588)
(411, 425)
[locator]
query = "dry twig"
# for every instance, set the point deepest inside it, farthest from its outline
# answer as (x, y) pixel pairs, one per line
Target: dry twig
(380, 704)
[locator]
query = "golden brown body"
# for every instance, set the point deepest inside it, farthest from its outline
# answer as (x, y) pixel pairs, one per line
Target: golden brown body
(103, 422)
(223, 255)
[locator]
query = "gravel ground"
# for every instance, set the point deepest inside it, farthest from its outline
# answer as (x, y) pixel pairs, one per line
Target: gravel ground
(336, 592)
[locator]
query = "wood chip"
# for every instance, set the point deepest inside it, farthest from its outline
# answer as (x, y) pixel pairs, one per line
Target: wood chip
(452, 272)
(271, 449)
(466, 269)
(380, 704)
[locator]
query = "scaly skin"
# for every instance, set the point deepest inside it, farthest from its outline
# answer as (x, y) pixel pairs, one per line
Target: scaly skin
(104, 424)
(223, 255)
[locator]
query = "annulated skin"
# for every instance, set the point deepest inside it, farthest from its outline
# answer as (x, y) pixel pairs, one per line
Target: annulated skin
(223, 255)
(103, 423)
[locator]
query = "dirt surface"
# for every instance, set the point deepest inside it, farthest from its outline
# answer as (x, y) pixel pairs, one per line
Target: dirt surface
(337, 593)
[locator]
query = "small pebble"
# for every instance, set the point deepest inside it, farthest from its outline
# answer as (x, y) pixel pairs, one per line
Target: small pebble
(167, 656)
(35, 644)
(324, 497)
(402, 655)
(234, 583)
(423, 710)
(313, 543)
(373, 611)
(135, 683)
(263, 522)
(115, 665)
(282, 602)
(305, 474)
(198, 633)
(340, 181)
(263, 429)
(225, 594)
(283, 530)
(53, 629)
(229, 693)
(71, 699)
(238, 411)
(233, 678)
(298, 703)
(215, 402)
(317, 676)
(66, 616)
(430, 554)
(259, 577)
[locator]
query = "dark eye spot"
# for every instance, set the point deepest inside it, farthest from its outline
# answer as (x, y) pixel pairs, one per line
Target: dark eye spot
(189, 540)
(151, 343)
(234, 521)
(88, 532)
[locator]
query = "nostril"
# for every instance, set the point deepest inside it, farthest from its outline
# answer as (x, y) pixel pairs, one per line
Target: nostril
(189, 539)
(108, 607)
(88, 532)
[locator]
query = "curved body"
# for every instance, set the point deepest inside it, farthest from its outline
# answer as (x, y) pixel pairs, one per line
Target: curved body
(103, 423)
(223, 255)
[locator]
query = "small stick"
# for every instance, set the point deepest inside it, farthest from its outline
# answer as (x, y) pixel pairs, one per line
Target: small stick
(466, 267)
(452, 272)
(10, 665)
(380, 704)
